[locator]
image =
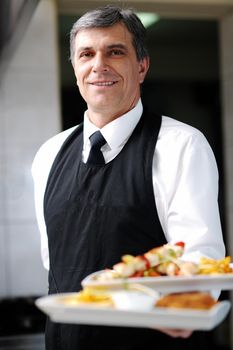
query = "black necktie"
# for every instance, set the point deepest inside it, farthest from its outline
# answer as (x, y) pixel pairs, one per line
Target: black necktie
(96, 156)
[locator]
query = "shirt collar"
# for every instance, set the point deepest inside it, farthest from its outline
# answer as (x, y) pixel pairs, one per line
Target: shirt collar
(116, 132)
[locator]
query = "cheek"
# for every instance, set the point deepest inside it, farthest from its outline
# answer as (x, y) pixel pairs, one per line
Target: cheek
(79, 73)
(80, 83)
(133, 78)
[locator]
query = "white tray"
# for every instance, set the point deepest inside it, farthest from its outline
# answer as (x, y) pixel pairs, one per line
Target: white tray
(168, 284)
(159, 317)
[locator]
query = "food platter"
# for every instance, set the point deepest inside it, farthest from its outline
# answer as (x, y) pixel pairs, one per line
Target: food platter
(158, 317)
(166, 284)
(109, 299)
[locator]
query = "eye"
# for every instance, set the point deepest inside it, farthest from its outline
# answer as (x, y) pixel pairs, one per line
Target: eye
(116, 52)
(86, 54)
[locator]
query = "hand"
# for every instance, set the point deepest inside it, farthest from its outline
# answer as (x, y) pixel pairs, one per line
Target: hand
(177, 333)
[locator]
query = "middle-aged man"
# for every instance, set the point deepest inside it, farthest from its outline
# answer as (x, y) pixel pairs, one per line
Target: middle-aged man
(154, 181)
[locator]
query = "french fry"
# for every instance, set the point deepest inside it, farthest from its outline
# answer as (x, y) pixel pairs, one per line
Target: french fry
(210, 266)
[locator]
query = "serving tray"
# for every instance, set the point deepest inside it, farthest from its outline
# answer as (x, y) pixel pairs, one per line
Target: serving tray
(166, 284)
(158, 317)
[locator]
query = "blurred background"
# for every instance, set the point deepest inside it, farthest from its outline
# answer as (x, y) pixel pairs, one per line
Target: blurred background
(190, 79)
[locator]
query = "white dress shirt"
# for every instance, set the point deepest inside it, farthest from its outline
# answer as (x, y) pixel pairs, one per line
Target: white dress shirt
(185, 181)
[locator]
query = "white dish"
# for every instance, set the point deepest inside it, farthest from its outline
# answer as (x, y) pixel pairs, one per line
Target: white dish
(135, 297)
(167, 284)
(158, 317)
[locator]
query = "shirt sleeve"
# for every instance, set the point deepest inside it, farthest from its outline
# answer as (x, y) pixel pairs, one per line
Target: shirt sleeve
(40, 172)
(41, 166)
(185, 179)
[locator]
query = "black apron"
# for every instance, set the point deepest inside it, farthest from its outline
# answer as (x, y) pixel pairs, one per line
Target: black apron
(95, 214)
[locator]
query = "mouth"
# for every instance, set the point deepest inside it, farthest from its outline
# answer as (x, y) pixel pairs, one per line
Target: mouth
(103, 83)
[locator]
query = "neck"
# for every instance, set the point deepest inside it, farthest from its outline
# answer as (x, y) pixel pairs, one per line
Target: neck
(100, 119)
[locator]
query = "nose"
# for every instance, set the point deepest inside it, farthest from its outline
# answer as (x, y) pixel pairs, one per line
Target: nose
(100, 63)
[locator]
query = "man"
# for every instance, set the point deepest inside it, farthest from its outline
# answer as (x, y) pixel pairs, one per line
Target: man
(154, 180)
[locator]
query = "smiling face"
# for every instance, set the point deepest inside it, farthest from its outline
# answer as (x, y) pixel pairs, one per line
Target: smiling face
(107, 71)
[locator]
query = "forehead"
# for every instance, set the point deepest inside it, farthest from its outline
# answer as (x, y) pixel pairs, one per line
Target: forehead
(91, 37)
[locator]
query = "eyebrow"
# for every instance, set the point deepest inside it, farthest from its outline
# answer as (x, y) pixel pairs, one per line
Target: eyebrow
(118, 46)
(112, 46)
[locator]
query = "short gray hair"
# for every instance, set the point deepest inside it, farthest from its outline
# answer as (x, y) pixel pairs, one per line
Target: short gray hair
(107, 16)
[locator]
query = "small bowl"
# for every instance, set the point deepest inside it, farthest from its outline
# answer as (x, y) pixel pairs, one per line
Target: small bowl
(135, 297)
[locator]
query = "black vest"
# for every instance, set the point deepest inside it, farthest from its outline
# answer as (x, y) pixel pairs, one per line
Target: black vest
(95, 214)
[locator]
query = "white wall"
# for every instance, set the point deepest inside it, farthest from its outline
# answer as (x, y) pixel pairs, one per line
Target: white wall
(29, 114)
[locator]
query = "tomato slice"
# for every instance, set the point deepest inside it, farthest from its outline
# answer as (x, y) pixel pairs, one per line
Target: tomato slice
(154, 274)
(180, 243)
(146, 261)
(137, 274)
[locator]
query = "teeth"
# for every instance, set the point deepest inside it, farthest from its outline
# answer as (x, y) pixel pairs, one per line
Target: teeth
(109, 83)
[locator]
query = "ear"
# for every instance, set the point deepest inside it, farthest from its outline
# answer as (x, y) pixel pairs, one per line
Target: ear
(143, 68)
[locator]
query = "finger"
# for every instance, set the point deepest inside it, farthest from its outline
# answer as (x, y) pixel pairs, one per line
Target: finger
(177, 333)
